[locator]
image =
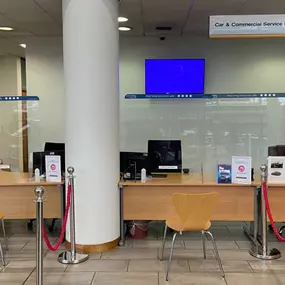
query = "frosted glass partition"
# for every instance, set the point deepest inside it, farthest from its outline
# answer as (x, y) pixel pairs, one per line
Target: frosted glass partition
(211, 131)
(14, 127)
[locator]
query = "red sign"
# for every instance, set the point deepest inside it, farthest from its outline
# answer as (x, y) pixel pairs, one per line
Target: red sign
(241, 168)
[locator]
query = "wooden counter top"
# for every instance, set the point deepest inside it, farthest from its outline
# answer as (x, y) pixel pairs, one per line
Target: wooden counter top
(21, 179)
(192, 179)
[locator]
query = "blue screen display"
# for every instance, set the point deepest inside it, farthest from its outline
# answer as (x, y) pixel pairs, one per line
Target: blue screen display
(173, 76)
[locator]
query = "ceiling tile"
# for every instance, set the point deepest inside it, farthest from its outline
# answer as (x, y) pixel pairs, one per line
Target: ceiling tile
(165, 13)
(217, 7)
(45, 29)
(132, 9)
(18, 33)
(20, 30)
(52, 7)
(263, 7)
(24, 11)
(10, 48)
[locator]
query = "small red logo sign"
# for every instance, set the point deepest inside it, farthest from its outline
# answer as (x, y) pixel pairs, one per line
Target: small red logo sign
(53, 167)
(241, 168)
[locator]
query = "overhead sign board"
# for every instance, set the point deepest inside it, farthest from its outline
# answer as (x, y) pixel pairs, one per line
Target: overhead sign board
(205, 96)
(247, 26)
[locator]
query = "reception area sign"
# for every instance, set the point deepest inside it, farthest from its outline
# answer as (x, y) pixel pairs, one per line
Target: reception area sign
(247, 26)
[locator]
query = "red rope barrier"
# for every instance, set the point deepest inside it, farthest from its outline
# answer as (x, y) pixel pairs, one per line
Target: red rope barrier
(61, 236)
(275, 230)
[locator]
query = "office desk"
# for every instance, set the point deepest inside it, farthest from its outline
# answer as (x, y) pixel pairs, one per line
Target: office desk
(17, 196)
(153, 200)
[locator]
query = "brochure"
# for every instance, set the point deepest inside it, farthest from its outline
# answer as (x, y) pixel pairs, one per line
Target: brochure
(224, 174)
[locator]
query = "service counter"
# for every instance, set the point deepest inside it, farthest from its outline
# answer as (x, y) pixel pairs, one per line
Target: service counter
(17, 196)
(152, 200)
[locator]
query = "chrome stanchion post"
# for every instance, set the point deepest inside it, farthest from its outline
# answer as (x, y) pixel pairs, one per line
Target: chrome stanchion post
(264, 241)
(72, 257)
(39, 192)
(261, 251)
(70, 171)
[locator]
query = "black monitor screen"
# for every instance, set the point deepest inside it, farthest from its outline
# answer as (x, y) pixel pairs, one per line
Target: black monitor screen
(59, 148)
(165, 156)
(131, 162)
(277, 150)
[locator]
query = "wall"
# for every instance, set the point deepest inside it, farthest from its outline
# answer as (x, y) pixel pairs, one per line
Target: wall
(211, 131)
(10, 112)
(44, 64)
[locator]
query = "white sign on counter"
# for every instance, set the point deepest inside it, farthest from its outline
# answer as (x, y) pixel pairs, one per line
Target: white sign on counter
(276, 169)
(247, 26)
(53, 168)
(241, 169)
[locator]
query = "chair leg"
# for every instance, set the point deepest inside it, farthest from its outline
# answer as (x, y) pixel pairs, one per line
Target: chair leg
(163, 242)
(216, 252)
(171, 254)
(4, 233)
(204, 244)
(2, 255)
(281, 230)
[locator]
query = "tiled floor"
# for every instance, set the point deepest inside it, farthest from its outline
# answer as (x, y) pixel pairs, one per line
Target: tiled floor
(136, 263)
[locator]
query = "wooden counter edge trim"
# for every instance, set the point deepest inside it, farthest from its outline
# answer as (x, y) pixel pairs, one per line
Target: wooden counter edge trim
(189, 185)
(96, 247)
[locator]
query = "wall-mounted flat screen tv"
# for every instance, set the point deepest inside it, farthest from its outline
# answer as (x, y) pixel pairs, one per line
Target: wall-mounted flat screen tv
(174, 76)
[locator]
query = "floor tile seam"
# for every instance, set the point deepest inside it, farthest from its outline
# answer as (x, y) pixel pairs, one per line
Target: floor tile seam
(128, 266)
(251, 268)
(29, 277)
(24, 245)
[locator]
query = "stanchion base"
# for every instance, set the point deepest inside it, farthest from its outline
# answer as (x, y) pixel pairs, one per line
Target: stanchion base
(257, 252)
(65, 258)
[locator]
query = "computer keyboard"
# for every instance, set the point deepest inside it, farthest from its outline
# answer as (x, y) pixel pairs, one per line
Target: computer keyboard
(158, 175)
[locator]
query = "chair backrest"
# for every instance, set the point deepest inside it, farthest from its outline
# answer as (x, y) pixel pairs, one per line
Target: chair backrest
(195, 210)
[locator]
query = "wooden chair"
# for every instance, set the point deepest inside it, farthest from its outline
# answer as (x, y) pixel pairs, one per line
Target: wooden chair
(193, 214)
(5, 238)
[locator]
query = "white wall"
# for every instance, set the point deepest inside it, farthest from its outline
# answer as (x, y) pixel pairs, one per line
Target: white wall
(45, 79)
(210, 131)
(10, 112)
(231, 65)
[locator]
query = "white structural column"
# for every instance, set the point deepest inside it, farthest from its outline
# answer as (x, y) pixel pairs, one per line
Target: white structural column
(91, 71)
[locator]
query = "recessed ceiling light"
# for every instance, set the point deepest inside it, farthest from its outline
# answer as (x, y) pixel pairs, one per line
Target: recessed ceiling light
(23, 45)
(124, 29)
(6, 29)
(122, 19)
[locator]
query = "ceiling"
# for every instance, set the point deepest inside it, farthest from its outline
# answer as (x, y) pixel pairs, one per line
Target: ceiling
(32, 18)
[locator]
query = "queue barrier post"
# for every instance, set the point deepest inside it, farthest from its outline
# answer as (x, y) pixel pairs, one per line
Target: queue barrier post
(261, 251)
(72, 257)
(39, 192)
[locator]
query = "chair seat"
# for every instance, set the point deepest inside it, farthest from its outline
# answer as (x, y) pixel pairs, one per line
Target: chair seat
(177, 225)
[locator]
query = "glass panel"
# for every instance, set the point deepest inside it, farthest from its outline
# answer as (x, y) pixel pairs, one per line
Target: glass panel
(17, 118)
(211, 131)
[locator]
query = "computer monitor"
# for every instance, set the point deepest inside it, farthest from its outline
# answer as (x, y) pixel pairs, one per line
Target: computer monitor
(277, 150)
(39, 160)
(165, 156)
(52, 146)
(131, 163)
